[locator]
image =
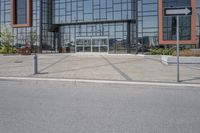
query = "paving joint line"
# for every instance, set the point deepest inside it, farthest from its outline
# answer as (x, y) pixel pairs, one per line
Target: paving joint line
(117, 69)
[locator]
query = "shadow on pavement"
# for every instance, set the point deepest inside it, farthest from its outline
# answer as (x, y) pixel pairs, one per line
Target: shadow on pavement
(40, 71)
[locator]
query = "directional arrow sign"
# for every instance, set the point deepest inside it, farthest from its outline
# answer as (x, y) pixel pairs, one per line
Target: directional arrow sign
(179, 11)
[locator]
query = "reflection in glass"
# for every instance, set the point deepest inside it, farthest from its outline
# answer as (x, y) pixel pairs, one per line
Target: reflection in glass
(21, 11)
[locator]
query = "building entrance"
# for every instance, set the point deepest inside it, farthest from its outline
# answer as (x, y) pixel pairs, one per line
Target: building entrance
(92, 44)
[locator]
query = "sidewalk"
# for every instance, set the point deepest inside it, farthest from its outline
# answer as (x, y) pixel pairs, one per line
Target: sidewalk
(98, 67)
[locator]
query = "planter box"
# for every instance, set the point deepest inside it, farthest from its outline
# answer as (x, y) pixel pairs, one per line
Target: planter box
(183, 60)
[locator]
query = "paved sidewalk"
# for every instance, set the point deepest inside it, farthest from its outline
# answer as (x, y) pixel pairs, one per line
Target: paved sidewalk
(98, 67)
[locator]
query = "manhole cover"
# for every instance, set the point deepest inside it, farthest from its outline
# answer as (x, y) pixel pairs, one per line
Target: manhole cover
(17, 61)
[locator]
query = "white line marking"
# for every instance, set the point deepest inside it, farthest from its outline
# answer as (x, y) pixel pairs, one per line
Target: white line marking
(101, 81)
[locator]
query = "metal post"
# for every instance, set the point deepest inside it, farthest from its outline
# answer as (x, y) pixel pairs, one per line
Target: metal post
(35, 64)
(135, 31)
(108, 45)
(198, 46)
(99, 45)
(177, 47)
(128, 37)
(83, 45)
(91, 44)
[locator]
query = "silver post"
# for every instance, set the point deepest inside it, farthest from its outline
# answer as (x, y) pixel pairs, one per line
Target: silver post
(177, 47)
(35, 64)
(198, 46)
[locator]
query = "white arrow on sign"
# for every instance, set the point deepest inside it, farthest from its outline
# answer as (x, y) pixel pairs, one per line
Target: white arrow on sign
(185, 11)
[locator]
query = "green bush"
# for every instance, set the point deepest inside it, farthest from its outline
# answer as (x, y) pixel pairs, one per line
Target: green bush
(7, 50)
(161, 51)
(188, 52)
(168, 51)
(155, 51)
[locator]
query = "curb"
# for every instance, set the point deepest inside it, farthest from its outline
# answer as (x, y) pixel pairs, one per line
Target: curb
(100, 81)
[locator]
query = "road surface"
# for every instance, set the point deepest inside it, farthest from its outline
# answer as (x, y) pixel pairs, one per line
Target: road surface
(74, 107)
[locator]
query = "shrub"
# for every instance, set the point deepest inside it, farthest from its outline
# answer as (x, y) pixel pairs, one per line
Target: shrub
(161, 51)
(155, 51)
(168, 51)
(188, 53)
(7, 50)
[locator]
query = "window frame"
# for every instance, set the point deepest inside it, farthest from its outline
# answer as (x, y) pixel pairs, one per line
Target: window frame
(13, 15)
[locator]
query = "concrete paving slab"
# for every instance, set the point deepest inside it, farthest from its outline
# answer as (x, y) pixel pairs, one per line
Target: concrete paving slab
(98, 67)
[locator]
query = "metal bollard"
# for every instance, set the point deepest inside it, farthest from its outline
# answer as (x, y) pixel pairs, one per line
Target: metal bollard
(35, 64)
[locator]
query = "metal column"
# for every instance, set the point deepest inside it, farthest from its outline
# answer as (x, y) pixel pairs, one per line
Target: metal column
(128, 37)
(177, 37)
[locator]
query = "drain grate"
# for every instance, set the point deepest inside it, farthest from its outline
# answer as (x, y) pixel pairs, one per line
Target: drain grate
(18, 61)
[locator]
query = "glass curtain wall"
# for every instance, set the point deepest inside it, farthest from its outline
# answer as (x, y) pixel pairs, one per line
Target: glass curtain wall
(114, 19)
(147, 24)
(47, 37)
(185, 21)
(4, 13)
(71, 11)
(21, 35)
(116, 32)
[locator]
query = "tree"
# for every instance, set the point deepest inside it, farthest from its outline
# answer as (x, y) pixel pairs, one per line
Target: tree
(32, 39)
(6, 37)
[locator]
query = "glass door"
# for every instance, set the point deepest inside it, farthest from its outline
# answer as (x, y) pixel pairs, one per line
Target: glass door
(79, 45)
(104, 45)
(87, 45)
(95, 45)
(92, 44)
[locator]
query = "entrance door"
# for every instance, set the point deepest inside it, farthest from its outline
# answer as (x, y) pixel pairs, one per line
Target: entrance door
(92, 44)
(79, 45)
(104, 45)
(95, 45)
(87, 45)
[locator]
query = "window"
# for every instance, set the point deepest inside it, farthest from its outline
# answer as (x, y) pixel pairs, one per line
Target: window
(21, 13)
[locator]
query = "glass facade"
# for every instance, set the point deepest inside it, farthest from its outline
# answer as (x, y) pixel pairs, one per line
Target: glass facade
(115, 32)
(72, 11)
(184, 23)
(20, 35)
(47, 32)
(124, 26)
(112, 19)
(147, 23)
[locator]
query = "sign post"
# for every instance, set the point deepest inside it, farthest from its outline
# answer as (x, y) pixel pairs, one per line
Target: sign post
(177, 47)
(177, 11)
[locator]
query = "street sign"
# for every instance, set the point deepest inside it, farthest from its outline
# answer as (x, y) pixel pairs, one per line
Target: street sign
(179, 11)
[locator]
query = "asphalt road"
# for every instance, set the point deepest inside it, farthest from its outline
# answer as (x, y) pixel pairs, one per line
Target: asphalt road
(71, 107)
